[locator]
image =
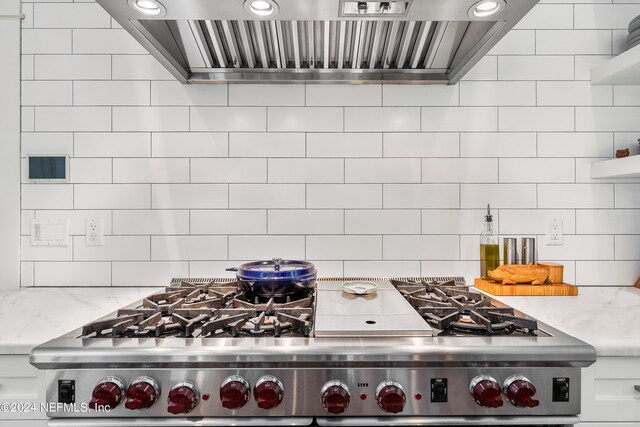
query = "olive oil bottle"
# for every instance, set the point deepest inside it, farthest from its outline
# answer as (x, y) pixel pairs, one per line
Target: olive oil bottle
(489, 248)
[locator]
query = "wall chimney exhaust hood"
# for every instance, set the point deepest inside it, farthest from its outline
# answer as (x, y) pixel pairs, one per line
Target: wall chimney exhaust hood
(323, 41)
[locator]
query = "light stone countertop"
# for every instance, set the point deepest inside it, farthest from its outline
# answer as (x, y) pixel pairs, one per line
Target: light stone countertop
(606, 317)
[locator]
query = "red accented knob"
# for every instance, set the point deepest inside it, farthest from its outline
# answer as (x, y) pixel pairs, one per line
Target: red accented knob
(391, 397)
(234, 392)
(335, 397)
(142, 393)
(268, 392)
(183, 398)
(520, 392)
(486, 391)
(107, 393)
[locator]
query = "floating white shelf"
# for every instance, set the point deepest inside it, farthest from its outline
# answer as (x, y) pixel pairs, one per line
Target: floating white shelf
(627, 167)
(623, 69)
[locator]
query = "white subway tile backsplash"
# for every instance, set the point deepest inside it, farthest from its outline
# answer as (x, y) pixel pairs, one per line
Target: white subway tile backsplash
(27, 119)
(190, 144)
(485, 69)
(111, 196)
(537, 170)
(113, 144)
(381, 119)
(605, 16)
(467, 269)
(266, 94)
(492, 144)
(70, 15)
(266, 247)
(433, 247)
(516, 42)
(133, 171)
(39, 41)
(250, 221)
(267, 196)
(538, 67)
(575, 196)
(111, 93)
(90, 171)
(382, 170)
(548, 16)
(114, 248)
(626, 95)
(604, 221)
(550, 119)
(72, 274)
(573, 93)
(46, 93)
(622, 140)
(141, 119)
(381, 269)
(392, 221)
(585, 63)
(47, 196)
(578, 144)
(229, 170)
(627, 196)
(421, 144)
(311, 119)
(497, 93)
(77, 219)
(447, 221)
(607, 119)
(44, 253)
(105, 41)
(138, 67)
(344, 196)
(46, 143)
(591, 248)
(306, 221)
(498, 195)
(459, 170)
(606, 272)
(422, 95)
(343, 95)
(421, 196)
(150, 222)
(266, 144)
(185, 248)
(72, 67)
(351, 247)
(585, 42)
(306, 170)
(77, 119)
(344, 144)
(189, 196)
(176, 93)
(156, 273)
(459, 119)
(535, 221)
(27, 67)
(225, 119)
(627, 247)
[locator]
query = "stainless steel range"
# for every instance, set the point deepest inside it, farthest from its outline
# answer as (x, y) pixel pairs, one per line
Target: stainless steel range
(413, 351)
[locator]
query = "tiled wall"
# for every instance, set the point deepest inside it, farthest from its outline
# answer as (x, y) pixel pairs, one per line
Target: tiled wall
(363, 180)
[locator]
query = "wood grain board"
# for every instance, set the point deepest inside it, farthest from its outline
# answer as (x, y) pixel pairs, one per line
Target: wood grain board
(562, 289)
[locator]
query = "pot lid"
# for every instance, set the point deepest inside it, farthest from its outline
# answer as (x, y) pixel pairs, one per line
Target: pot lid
(277, 269)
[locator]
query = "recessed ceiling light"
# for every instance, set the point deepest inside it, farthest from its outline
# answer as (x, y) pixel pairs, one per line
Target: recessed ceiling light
(148, 7)
(261, 8)
(486, 8)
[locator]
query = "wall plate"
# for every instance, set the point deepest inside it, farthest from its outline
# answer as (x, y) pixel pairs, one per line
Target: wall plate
(50, 232)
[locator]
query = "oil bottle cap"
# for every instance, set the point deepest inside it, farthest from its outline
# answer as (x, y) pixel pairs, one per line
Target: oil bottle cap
(488, 217)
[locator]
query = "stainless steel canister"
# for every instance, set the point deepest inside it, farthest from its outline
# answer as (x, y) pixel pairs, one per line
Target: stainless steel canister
(528, 250)
(509, 251)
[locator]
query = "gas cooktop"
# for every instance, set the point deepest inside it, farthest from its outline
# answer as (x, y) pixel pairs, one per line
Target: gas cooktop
(417, 350)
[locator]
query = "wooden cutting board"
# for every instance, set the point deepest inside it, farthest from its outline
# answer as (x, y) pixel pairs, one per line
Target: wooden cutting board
(562, 289)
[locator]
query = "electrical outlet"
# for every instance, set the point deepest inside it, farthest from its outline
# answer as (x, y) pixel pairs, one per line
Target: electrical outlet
(554, 235)
(93, 231)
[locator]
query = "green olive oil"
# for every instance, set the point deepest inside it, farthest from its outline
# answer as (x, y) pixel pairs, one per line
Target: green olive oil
(489, 247)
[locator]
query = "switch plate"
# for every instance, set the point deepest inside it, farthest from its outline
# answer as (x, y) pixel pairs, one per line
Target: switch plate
(439, 390)
(50, 232)
(560, 390)
(93, 232)
(66, 391)
(554, 234)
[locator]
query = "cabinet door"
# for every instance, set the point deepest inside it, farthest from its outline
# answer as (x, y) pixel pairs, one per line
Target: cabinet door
(22, 385)
(608, 390)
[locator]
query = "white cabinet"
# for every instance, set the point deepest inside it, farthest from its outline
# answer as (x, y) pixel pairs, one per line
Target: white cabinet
(21, 383)
(609, 397)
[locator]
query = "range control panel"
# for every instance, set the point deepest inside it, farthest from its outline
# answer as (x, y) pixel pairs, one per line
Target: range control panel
(316, 392)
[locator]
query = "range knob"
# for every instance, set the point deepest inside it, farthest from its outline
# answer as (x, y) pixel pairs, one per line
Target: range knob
(486, 391)
(142, 393)
(335, 397)
(268, 392)
(183, 398)
(234, 392)
(391, 397)
(109, 392)
(520, 392)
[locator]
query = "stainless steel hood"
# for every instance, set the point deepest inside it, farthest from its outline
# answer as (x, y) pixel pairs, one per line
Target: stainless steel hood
(397, 41)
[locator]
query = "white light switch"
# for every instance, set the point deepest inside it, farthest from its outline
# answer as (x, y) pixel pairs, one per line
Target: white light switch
(50, 232)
